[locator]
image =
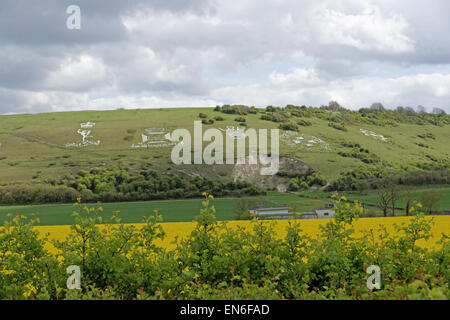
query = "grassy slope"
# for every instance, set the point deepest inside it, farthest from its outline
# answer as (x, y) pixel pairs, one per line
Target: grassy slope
(34, 145)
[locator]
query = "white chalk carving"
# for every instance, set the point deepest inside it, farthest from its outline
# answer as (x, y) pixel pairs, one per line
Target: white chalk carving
(304, 141)
(374, 135)
(85, 134)
(87, 125)
(237, 133)
(154, 138)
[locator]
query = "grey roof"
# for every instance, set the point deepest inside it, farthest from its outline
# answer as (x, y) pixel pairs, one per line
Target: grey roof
(258, 207)
(269, 214)
(271, 209)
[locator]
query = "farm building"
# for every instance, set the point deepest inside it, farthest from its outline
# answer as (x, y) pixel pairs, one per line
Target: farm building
(447, 212)
(322, 213)
(264, 213)
(285, 213)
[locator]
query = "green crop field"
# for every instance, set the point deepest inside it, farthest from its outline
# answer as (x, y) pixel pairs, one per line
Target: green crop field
(187, 210)
(172, 211)
(130, 212)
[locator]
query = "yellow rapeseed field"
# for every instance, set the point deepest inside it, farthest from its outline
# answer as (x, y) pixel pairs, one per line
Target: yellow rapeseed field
(179, 230)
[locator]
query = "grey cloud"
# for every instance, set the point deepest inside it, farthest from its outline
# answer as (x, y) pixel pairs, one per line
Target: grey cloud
(185, 48)
(21, 69)
(30, 23)
(329, 68)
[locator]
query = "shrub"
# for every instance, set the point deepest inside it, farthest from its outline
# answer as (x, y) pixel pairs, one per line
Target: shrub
(207, 122)
(304, 123)
(288, 127)
(337, 126)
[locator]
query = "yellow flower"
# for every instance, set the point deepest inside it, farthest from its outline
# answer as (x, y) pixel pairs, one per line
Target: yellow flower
(30, 290)
(182, 230)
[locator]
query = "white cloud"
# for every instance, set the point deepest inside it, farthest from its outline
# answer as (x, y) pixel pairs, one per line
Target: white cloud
(150, 102)
(432, 90)
(78, 74)
(141, 69)
(200, 52)
(368, 30)
(297, 78)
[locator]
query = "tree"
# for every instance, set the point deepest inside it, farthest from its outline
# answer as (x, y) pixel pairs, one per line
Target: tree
(409, 197)
(334, 105)
(271, 109)
(438, 111)
(377, 106)
(420, 109)
(293, 185)
(387, 195)
(409, 111)
(394, 194)
(430, 201)
(243, 205)
(383, 200)
(400, 109)
(362, 186)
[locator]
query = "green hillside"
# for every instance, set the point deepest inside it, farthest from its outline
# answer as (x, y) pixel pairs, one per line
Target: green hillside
(33, 147)
(322, 150)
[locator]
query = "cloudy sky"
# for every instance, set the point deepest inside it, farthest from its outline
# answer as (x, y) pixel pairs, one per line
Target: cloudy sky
(200, 53)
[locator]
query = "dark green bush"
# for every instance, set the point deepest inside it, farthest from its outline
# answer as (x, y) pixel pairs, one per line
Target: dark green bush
(288, 127)
(113, 184)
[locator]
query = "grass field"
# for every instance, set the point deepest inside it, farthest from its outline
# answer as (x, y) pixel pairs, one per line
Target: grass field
(187, 210)
(130, 212)
(172, 210)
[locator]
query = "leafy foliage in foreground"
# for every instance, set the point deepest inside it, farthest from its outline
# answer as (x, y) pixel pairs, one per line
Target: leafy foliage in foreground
(119, 261)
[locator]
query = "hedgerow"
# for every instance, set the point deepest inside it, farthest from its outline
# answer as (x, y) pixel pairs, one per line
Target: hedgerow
(119, 261)
(416, 173)
(337, 114)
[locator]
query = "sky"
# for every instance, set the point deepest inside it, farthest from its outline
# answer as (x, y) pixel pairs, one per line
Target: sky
(203, 53)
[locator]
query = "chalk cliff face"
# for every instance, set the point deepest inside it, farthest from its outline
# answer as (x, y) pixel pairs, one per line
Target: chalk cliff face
(248, 172)
(251, 173)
